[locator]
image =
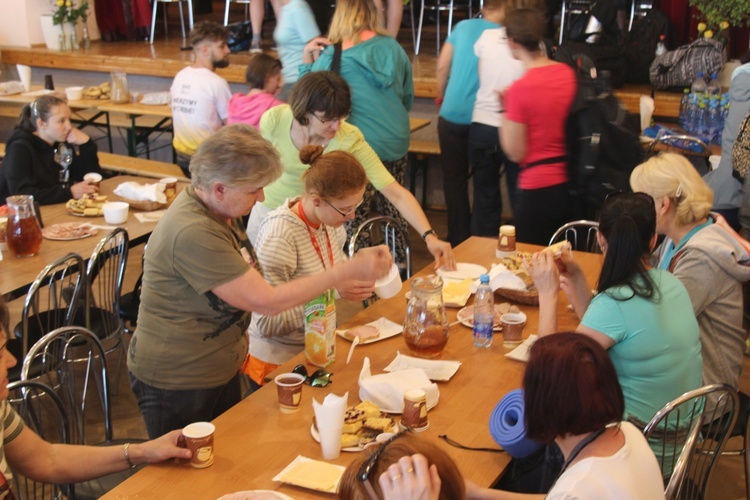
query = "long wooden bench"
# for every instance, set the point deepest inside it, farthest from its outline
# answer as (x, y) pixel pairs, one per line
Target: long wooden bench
(132, 166)
(419, 153)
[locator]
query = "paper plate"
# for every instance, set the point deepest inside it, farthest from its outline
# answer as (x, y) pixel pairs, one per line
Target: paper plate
(463, 270)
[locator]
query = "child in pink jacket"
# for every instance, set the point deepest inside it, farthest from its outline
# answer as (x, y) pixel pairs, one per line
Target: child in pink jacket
(264, 78)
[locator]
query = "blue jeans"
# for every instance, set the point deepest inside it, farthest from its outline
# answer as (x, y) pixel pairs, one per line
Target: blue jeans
(165, 410)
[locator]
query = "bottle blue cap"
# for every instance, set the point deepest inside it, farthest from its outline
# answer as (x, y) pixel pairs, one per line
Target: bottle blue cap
(485, 278)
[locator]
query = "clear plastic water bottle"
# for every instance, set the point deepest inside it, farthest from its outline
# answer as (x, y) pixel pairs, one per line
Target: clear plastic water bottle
(685, 109)
(699, 84)
(713, 87)
(697, 92)
(661, 47)
(701, 129)
(484, 313)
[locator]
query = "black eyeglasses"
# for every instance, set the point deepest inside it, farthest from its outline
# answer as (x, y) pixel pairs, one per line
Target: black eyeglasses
(326, 121)
(319, 378)
(348, 212)
(364, 471)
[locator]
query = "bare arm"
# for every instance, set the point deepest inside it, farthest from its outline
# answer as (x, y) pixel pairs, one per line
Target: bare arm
(250, 292)
(35, 458)
(513, 139)
(444, 68)
(546, 275)
(409, 208)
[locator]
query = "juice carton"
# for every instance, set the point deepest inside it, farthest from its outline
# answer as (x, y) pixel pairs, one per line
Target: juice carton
(320, 327)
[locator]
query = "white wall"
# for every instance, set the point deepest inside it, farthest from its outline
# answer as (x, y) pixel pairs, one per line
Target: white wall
(19, 23)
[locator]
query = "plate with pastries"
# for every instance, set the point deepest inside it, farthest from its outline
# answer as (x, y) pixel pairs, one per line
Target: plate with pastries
(374, 331)
(89, 205)
(363, 424)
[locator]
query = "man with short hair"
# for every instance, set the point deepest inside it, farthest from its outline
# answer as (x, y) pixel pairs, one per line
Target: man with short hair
(199, 96)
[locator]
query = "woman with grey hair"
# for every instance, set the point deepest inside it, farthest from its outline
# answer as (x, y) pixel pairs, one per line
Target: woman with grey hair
(201, 280)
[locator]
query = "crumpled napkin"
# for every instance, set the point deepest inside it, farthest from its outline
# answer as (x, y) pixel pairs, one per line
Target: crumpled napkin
(141, 192)
(387, 389)
(433, 368)
(501, 277)
(329, 419)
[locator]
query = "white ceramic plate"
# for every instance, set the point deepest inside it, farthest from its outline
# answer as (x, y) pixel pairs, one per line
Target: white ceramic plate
(466, 317)
(256, 495)
(463, 270)
(66, 231)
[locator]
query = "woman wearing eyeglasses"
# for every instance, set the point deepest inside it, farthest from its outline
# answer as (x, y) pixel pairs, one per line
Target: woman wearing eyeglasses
(302, 237)
(706, 254)
(46, 156)
(319, 105)
(641, 315)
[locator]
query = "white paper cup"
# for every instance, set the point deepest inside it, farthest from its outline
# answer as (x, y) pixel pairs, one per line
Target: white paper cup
(24, 74)
(390, 285)
(714, 161)
(513, 324)
(74, 93)
(93, 178)
(289, 389)
(199, 438)
(115, 212)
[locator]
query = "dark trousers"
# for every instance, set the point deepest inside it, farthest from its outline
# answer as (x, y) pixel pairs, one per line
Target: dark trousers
(487, 159)
(165, 410)
(541, 212)
(183, 161)
(454, 161)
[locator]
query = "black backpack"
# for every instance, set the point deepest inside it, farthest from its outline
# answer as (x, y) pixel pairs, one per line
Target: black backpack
(639, 45)
(603, 146)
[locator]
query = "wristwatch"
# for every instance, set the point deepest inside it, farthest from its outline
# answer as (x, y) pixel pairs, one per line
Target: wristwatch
(427, 233)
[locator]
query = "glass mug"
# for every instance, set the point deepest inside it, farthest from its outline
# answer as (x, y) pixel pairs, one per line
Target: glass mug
(23, 233)
(119, 88)
(426, 324)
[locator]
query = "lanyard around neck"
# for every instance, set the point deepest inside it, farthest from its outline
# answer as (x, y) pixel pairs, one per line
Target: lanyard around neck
(314, 240)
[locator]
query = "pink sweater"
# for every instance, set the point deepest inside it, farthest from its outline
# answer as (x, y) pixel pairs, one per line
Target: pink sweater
(248, 109)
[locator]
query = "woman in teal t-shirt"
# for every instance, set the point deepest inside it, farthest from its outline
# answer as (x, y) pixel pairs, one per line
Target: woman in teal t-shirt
(642, 316)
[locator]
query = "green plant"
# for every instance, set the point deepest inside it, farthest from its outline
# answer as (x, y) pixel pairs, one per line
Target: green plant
(735, 12)
(66, 11)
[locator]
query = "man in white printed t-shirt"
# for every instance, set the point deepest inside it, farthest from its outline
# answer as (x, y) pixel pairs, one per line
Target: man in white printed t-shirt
(199, 96)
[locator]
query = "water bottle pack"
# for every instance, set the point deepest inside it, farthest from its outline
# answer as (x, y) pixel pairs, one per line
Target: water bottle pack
(703, 110)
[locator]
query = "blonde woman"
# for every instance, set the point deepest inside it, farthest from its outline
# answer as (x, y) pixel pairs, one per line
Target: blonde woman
(378, 72)
(710, 259)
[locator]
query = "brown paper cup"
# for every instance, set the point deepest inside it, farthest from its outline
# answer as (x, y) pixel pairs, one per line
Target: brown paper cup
(199, 438)
(513, 324)
(289, 388)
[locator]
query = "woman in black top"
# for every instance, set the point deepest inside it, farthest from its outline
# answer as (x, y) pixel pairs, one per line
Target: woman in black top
(46, 156)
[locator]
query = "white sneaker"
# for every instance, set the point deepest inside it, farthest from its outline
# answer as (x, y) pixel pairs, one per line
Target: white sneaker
(255, 47)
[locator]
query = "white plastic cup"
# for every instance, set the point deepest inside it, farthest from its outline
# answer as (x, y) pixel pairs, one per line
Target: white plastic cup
(390, 285)
(24, 74)
(74, 93)
(93, 178)
(714, 161)
(115, 212)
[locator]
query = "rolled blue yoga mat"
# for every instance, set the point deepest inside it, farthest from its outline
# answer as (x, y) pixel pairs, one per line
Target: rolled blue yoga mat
(508, 428)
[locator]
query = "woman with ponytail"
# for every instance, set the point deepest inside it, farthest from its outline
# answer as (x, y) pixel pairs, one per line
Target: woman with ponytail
(302, 237)
(47, 156)
(641, 315)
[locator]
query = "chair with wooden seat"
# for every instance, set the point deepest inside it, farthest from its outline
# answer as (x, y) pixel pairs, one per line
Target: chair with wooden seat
(385, 230)
(182, 17)
(43, 412)
(669, 429)
(74, 365)
(246, 3)
(104, 277)
(581, 234)
(53, 300)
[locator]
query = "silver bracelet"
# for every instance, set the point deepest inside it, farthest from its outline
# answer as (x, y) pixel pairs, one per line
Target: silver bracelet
(127, 455)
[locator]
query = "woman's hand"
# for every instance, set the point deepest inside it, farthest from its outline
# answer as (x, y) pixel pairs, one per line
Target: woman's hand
(411, 478)
(356, 290)
(159, 449)
(368, 264)
(77, 137)
(80, 188)
(314, 47)
(441, 250)
(545, 273)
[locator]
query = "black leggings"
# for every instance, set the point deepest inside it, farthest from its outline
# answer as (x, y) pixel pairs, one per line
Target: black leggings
(541, 212)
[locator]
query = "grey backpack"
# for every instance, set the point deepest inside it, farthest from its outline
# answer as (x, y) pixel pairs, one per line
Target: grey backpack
(678, 68)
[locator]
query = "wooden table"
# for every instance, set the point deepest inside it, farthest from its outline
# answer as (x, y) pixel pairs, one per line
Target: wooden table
(19, 272)
(140, 133)
(254, 441)
(418, 123)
